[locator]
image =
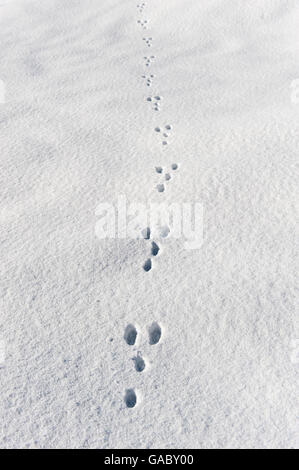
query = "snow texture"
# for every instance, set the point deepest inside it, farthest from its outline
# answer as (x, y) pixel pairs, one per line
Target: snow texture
(123, 343)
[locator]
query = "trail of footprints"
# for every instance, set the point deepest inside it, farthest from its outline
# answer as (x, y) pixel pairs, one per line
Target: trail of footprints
(166, 174)
(130, 337)
(154, 250)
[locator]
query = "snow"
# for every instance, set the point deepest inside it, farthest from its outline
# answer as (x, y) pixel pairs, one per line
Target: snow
(195, 352)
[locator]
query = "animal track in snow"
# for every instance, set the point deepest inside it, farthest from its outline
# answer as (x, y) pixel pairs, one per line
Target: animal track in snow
(155, 249)
(148, 79)
(167, 176)
(155, 333)
(164, 132)
(146, 233)
(130, 398)
(149, 60)
(155, 101)
(160, 188)
(141, 6)
(143, 23)
(147, 265)
(139, 362)
(164, 231)
(148, 41)
(130, 335)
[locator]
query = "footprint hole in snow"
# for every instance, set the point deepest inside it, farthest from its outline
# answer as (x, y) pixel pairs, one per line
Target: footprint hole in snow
(130, 398)
(164, 232)
(155, 249)
(130, 335)
(160, 188)
(155, 333)
(146, 233)
(147, 265)
(139, 363)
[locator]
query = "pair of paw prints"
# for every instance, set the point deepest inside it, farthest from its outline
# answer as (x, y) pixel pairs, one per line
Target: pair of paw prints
(149, 60)
(167, 175)
(154, 335)
(148, 79)
(130, 336)
(155, 101)
(148, 41)
(143, 23)
(155, 249)
(164, 132)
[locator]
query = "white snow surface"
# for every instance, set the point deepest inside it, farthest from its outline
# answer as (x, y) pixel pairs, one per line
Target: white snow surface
(76, 130)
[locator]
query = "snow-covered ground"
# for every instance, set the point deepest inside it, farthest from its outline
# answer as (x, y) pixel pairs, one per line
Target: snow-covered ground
(77, 130)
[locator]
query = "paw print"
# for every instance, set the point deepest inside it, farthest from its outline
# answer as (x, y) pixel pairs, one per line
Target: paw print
(148, 41)
(140, 7)
(148, 79)
(167, 175)
(149, 60)
(143, 23)
(155, 101)
(164, 133)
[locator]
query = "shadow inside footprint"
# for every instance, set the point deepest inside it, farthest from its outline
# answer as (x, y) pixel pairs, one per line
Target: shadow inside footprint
(160, 188)
(130, 398)
(155, 249)
(146, 233)
(147, 265)
(164, 231)
(139, 363)
(155, 333)
(130, 335)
